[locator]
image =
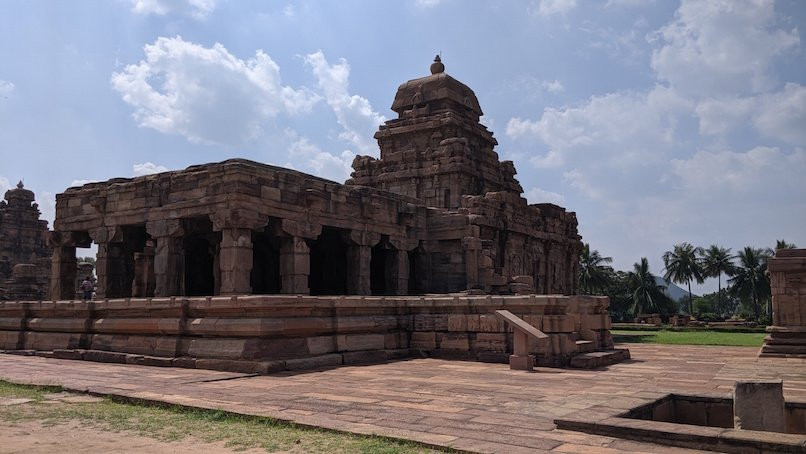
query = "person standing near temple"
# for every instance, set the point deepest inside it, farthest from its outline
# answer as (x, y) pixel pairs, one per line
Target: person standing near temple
(87, 288)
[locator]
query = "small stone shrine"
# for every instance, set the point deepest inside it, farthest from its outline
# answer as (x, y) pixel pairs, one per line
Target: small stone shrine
(24, 255)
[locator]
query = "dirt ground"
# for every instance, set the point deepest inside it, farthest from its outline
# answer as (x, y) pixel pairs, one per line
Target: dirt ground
(31, 437)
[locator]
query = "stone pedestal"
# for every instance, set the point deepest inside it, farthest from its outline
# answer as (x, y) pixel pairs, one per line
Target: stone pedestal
(759, 405)
(787, 335)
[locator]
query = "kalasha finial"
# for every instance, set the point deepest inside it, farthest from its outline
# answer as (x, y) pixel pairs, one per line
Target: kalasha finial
(20, 185)
(437, 66)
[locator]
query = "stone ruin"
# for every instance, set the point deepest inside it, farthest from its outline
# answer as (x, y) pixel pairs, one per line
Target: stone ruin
(787, 334)
(24, 255)
(241, 265)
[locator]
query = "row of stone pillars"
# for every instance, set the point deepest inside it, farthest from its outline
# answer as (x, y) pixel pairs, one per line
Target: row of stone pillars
(156, 264)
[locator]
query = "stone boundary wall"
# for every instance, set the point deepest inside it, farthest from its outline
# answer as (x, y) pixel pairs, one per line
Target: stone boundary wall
(265, 334)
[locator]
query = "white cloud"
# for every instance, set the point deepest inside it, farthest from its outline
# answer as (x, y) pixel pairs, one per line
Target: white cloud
(6, 87)
(75, 183)
(198, 9)
(715, 47)
(4, 186)
(554, 86)
(426, 3)
(147, 168)
(779, 115)
(621, 129)
(782, 115)
(316, 161)
(719, 116)
(548, 8)
(537, 195)
(728, 174)
(354, 113)
(207, 94)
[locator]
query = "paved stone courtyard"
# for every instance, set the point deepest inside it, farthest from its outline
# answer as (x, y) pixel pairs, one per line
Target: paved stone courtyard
(466, 405)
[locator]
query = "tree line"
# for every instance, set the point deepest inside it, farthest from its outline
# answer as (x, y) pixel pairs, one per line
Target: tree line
(746, 295)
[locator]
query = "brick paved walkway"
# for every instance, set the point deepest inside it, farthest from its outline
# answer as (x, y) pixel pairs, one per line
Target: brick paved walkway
(465, 405)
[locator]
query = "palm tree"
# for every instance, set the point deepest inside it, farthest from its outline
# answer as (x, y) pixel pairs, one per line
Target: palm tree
(717, 260)
(782, 244)
(593, 274)
(682, 265)
(646, 294)
(750, 279)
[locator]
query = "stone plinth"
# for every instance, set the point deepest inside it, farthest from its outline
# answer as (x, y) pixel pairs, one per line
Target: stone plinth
(787, 335)
(228, 331)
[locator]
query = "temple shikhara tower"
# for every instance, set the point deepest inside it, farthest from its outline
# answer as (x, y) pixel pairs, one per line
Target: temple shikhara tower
(438, 212)
(24, 255)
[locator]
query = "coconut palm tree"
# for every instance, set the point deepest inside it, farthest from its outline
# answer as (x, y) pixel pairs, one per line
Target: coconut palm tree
(593, 274)
(717, 260)
(682, 265)
(782, 244)
(750, 280)
(646, 294)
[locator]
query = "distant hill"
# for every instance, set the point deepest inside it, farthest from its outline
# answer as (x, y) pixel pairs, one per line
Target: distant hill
(672, 290)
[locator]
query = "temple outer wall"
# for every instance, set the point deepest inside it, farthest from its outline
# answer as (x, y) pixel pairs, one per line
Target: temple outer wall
(262, 334)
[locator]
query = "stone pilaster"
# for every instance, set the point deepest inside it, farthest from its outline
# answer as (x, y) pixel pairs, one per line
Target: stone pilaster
(295, 266)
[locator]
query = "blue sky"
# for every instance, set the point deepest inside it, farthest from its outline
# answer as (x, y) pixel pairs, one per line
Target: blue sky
(657, 122)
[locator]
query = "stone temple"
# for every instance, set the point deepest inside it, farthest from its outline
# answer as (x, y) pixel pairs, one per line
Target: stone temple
(428, 250)
(438, 212)
(24, 255)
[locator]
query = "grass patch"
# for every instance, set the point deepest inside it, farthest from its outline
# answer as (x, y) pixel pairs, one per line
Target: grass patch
(689, 337)
(175, 423)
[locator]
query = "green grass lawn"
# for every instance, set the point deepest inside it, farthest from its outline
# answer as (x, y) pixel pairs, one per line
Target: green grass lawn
(173, 423)
(689, 337)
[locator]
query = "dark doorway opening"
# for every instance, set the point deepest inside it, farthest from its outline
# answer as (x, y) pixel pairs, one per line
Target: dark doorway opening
(415, 288)
(265, 276)
(328, 264)
(120, 269)
(379, 270)
(200, 246)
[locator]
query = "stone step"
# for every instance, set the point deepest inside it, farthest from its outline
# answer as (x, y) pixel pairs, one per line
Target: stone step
(593, 360)
(798, 350)
(585, 346)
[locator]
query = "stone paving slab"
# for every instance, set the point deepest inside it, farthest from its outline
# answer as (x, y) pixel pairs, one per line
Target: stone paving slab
(465, 405)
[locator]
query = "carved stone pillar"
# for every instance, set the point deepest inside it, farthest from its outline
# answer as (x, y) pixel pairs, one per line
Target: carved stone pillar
(143, 283)
(400, 266)
(359, 254)
(63, 267)
(234, 255)
(295, 266)
(108, 261)
(235, 261)
(168, 256)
